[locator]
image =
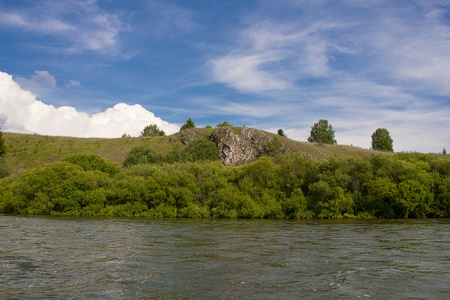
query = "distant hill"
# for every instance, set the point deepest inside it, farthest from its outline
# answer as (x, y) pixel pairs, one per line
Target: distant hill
(25, 151)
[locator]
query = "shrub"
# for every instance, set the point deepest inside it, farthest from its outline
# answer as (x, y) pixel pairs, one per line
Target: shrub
(93, 162)
(142, 155)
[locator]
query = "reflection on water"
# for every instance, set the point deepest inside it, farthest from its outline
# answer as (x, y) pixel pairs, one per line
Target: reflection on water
(64, 257)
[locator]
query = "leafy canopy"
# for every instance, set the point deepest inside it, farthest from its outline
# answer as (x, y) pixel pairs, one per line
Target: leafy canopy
(381, 140)
(152, 130)
(189, 124)
(2, 143)
(322, 132)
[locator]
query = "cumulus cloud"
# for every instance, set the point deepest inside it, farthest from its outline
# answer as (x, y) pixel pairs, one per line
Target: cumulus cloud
(39, 79)
(20, 111)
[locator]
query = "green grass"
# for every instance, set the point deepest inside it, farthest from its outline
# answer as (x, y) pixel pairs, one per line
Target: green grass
(26, 151)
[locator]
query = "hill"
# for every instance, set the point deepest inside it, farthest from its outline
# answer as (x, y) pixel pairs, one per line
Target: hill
(26, 151)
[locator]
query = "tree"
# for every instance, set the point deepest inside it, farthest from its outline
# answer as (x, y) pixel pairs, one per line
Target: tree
(381, 140)
(189, 124)
(152, 130)
(322, 132)
(223, 124)
(281, 132)
(4, 170)
(444, 152)
(2, 143)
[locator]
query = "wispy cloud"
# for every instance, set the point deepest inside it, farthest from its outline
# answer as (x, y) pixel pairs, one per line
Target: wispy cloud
(87, 28)
(39, 80)
(75, 83)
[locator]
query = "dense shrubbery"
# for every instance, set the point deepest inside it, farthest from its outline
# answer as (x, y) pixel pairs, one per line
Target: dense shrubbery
(199, 150)
(289, 186)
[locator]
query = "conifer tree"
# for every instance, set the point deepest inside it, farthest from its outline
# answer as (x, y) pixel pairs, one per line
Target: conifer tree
(189, 124)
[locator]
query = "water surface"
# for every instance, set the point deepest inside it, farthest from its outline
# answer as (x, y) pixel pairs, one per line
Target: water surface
(79, 258)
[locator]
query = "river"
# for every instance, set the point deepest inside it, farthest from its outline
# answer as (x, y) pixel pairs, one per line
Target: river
(110, 258)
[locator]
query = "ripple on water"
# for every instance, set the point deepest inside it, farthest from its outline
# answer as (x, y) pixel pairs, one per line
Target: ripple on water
(104, 258)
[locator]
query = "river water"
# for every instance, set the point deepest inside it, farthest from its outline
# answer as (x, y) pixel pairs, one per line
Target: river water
(104, 258)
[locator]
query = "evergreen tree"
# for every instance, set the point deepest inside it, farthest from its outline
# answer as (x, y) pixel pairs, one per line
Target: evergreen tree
(381, 140)
(322, 132)
(224, 124)
(189, 124)
(281, 132)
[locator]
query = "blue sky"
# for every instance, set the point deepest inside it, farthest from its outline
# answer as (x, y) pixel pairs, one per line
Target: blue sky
(360, 64)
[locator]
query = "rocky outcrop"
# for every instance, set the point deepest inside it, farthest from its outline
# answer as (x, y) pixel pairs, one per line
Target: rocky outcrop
(237, 149)
(256, 138)
(233, 150)
(187, 136)
(237, 146)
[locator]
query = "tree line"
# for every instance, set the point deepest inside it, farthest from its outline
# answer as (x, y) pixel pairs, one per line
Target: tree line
(292, 186)
(321, 132)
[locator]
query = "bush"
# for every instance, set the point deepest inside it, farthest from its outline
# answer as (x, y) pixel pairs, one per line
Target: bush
(93, 162)
(142, 155)
(4, 170)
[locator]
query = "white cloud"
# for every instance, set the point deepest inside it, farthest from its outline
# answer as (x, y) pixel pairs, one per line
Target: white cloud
(21, 112)
(272, 56)
(38, 80)
(245, 73)
(87, 28)
(75, 83)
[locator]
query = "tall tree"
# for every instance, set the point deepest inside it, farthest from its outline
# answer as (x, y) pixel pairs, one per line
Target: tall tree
(189, 124)
(381, 140)
(2, 143)
(152, 130)
(322, 132)
(4, 170)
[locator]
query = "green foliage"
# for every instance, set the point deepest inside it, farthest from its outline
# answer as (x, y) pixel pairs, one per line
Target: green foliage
(444, 152)
(142, 155)
(273, 147)
(197, 150)
(189, 124)
(224, 124)
(381, 140)
(281, 133)
(93, 162)
(201, 150)
(4, 170)
(322, 132)
(2, 143)
(152, 130)
(293, 186)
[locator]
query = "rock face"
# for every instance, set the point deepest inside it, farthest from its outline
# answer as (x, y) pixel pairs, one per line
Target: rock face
(239, 149)
(187, 136)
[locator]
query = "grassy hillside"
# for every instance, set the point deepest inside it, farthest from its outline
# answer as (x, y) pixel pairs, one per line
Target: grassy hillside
(25, 151)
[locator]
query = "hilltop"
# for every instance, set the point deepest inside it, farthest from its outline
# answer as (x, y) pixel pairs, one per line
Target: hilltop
(187, 175)
(26, 151)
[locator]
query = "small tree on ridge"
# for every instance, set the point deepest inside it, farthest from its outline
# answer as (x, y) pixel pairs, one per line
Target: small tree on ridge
(322, 132)
(189, 124)
(381, 140)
